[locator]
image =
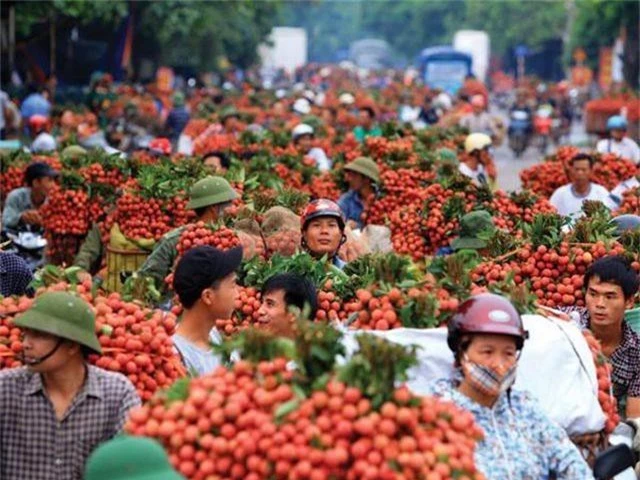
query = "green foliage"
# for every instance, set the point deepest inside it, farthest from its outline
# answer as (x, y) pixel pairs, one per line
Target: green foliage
(317, 347)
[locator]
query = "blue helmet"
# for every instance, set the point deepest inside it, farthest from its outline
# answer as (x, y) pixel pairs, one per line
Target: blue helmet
(617, 122)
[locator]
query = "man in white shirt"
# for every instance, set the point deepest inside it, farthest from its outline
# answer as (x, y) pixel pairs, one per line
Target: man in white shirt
(302, 136)
(568, 199)
(618, 142)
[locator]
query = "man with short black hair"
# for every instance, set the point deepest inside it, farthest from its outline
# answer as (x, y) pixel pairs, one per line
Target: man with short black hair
(205, 282)
(568, 199)
(57, 408)
(21, 205)
(279, 294)
(216, 162)
(611, 286)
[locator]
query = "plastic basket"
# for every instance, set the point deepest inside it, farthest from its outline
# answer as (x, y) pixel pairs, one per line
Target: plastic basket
(632, 317)
(121, 264)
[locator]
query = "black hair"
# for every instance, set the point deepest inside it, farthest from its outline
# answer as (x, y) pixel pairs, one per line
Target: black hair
(189, 297)
(298, 291)
(200, 211)
(582, 156)
(614, 269)
(370, 110)
(224, 158)
(463, 346)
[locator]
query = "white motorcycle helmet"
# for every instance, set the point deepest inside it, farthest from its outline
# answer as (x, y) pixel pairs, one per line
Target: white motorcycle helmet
(346, 99)
(301, 130)
(302, 106)
(443, 101)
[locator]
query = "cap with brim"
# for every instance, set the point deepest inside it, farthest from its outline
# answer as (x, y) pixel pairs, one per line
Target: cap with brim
(472, 225)
(64, 315)
(210, 191)
(364, 166)
(130, 458)
(468, 243)
(202, 266)
(229, 112)
(41, 169)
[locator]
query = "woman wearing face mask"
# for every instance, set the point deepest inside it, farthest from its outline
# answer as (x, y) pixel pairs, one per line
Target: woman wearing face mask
(486, 336)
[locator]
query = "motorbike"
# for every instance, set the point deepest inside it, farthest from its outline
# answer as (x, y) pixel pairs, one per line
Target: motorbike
(542, 123)
(30, 245)
(519, 130)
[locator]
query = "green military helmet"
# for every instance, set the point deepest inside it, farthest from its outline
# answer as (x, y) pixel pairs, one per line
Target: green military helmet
(178, 99)
(210, 191)
(130, 458)
(365, 166)
(64, 315)
(473, 225)
(229, 112)
(73, 152)
(446, 156)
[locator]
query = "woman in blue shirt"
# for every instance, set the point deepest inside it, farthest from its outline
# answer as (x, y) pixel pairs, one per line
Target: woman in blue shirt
(520, 442)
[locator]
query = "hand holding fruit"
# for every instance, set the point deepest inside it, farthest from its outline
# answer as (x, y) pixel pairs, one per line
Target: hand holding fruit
(32, 217)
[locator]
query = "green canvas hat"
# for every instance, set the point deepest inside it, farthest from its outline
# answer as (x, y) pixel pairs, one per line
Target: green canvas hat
(130, 458)
(73, 152)
(365, 166)
(229, 112)
(64, 315)
(446, 156)
(210, 191)
(471, 226)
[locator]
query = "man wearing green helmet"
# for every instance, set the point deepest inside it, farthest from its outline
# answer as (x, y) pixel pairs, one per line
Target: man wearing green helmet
(130, 458)
(58, 408)
(209, 198)
(363, 176)
(178, 117)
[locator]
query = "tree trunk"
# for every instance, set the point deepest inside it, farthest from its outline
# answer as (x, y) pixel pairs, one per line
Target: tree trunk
(631, 58)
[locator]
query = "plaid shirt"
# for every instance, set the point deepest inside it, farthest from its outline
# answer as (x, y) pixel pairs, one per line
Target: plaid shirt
(625, 359)
(15, 275)
(34, 445)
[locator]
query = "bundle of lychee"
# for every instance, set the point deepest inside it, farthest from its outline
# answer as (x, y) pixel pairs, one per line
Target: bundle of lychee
(201, 233)
(10, 341)
(630, 202)
(606, 399)
(66, 212)
(261, 420)
(136, 341)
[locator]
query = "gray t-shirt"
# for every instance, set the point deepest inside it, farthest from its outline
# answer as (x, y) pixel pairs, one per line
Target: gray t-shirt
(197, 360)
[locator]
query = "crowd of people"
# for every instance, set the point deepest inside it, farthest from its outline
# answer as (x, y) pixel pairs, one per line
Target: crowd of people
(62, 418)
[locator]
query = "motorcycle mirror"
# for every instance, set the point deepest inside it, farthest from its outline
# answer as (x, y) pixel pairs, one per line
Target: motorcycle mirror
(613, 461)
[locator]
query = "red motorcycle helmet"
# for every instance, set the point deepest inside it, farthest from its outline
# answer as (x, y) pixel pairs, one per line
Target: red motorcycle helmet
(322, 207)
(160, 146)
(486, 313)
(38, 123)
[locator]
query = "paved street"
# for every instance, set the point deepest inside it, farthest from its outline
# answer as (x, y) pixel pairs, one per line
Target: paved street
(509, 166)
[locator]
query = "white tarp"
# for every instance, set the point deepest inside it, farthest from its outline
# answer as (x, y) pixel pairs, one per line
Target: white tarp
(556, 367)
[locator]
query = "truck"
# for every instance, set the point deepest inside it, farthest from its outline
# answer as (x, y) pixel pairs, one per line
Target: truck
(445, 68)
(476, 44)
(286, 48)
(370, 53)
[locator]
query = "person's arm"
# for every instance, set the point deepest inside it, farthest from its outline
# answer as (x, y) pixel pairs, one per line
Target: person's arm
(90, 250)
(160, 262)
(12, 211)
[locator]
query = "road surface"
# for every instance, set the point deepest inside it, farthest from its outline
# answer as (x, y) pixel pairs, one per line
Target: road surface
(509, 166)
